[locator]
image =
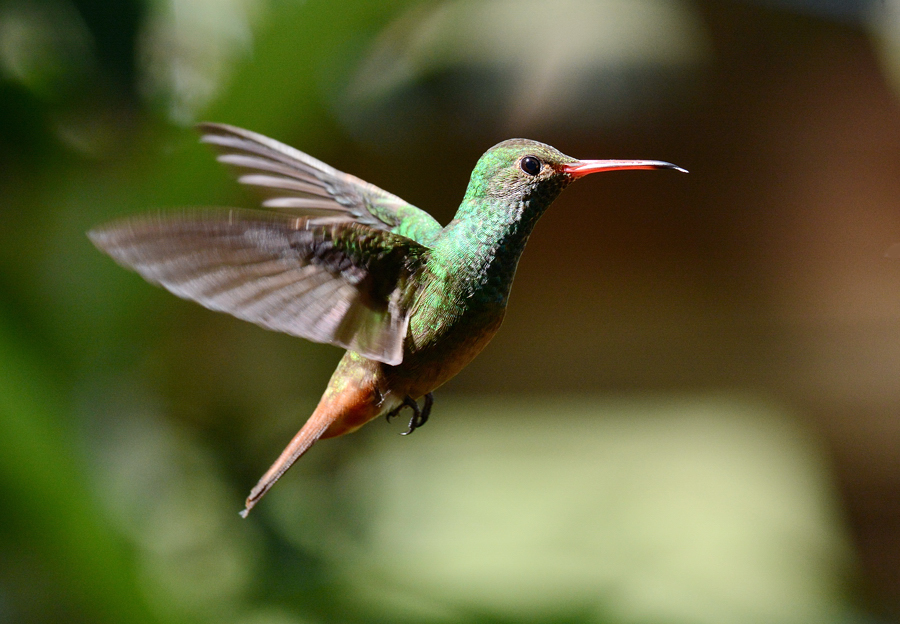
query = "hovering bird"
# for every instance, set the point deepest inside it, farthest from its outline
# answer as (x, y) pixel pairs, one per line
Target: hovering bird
(335, 259)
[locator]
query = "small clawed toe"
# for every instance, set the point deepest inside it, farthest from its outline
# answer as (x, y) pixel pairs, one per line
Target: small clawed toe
(419, 417)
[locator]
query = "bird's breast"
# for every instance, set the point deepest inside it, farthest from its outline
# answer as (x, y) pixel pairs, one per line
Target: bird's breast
(443, 337)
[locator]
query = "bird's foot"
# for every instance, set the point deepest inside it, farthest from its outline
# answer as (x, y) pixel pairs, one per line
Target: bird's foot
(419, 417)
(407, 402)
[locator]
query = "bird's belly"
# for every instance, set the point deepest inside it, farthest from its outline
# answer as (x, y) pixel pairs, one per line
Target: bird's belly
(429, 366)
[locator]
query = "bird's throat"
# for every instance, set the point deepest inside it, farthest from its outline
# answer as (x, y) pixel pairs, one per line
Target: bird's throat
(481, 252)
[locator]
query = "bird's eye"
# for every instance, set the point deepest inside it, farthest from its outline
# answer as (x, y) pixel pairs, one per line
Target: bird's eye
(530, 165)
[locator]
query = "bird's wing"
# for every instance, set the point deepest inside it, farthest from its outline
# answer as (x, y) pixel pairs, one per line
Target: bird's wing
(296, 182)
(327, 280)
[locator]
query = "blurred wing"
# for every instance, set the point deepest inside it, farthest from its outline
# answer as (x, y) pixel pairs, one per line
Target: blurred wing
(326, 280)
(296, 182)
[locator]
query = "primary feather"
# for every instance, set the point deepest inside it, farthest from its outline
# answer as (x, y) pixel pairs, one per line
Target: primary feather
(333, 281)
(293, 181)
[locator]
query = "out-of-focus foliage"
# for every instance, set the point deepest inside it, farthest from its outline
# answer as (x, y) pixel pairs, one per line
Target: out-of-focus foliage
(661, 509)
(525, 65)
(689, 417)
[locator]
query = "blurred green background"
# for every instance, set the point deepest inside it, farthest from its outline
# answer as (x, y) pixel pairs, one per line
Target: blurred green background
(690, 416)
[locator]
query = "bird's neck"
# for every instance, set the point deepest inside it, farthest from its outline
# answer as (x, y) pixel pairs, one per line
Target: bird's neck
(480, 249)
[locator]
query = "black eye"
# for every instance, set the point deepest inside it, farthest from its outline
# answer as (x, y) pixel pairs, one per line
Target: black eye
(530, 165)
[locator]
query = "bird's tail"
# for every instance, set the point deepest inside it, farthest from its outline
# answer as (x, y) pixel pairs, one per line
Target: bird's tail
(341, 410)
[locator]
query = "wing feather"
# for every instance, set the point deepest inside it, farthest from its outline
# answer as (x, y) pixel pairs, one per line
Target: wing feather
(336, 281)
(292, 180)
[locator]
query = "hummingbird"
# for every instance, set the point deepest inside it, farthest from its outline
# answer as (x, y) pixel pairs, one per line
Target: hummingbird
(334, 259)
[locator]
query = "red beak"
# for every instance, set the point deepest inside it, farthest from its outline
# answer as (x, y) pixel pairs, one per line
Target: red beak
(584, 167)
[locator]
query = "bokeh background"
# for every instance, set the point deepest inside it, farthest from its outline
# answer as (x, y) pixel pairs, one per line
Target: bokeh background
(690, 416)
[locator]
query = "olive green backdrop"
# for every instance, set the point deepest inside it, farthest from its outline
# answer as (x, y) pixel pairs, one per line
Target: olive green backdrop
(691, 414)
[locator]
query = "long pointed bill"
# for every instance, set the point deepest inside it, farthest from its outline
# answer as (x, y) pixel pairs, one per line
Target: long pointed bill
(584, 167)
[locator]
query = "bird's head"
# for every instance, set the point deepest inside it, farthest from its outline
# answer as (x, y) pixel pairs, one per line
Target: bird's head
(528, 174)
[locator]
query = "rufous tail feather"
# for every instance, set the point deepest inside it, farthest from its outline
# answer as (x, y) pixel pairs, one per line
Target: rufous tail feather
(330, 411)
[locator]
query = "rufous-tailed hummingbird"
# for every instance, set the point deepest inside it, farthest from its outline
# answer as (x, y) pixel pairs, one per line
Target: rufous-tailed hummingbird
(338, 260)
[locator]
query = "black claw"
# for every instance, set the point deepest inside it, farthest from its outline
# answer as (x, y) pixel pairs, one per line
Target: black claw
(407, 402)
(417, 414)
(419, 417)
(426, 409)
